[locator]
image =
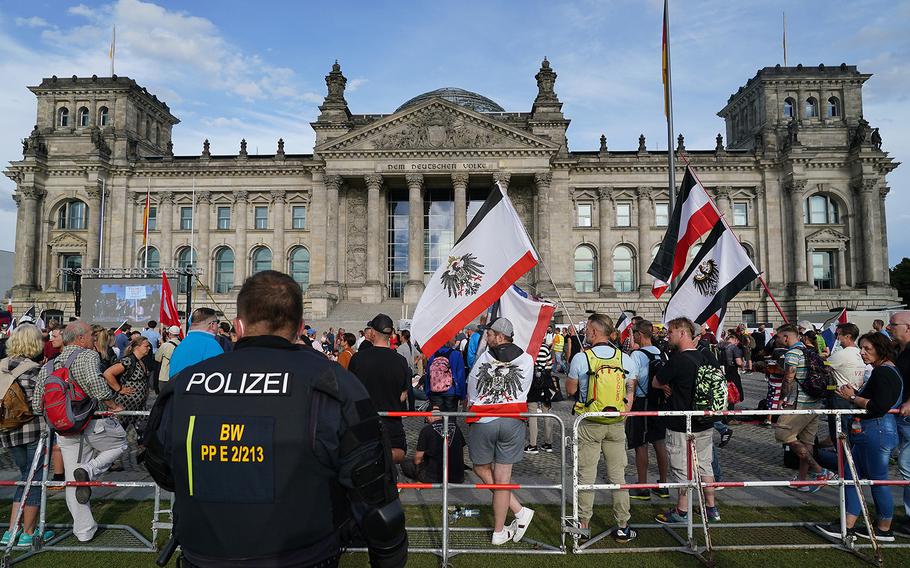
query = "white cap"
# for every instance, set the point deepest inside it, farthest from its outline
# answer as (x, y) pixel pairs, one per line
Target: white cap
(173, 330)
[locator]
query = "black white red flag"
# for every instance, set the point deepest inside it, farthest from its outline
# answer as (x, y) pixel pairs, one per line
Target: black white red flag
(693, 216)
(624, 327)
(719, 271)
(491, 255)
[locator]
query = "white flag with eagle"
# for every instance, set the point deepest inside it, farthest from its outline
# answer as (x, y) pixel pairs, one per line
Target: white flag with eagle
(719, 271)
(493, 253)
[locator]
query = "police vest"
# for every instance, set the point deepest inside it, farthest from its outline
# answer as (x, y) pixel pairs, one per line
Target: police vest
(251, 454)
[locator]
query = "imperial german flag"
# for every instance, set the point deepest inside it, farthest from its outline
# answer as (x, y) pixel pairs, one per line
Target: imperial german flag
(492, 253)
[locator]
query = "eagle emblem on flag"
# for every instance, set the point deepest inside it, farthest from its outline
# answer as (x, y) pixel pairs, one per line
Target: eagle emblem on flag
(501, 382)
(706, 277)
(462, 276)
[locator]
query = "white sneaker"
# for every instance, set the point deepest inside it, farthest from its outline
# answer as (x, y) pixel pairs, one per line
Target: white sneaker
(522, 521)
(503, 536)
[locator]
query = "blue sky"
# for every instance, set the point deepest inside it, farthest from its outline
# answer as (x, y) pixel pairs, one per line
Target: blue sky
(233, 69)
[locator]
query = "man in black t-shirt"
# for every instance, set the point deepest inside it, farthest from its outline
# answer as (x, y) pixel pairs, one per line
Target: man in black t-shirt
(427, 464)
(386, 376)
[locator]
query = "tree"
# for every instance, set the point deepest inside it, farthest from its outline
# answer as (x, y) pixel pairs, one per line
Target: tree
(900, 279)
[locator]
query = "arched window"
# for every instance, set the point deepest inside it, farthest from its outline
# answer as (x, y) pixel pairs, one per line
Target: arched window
(154, 258)
(186, 257)
(102, 116)
(73, 215)
(811, 110)
(83, 117)
(623, 269)
(224, 270)
(262, 259)
(585, 269)
(299, 266)
(788, 108)
(63, 117)
(833, 107)
(821, 209)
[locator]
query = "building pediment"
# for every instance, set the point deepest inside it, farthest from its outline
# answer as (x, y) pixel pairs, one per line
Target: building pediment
(827, 237)
(67, 242)
(440, 126)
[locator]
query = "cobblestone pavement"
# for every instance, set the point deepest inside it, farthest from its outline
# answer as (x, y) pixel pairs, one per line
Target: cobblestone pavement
(752, 454)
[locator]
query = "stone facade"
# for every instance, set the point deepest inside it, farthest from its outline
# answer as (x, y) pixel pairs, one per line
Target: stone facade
(803, 181)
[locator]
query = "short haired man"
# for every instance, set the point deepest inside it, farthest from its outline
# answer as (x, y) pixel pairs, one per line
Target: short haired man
(347, 349)
(879, 326)
(499, 383)
(798, 430)
(677, 379)
(151, 333)
(427, 464)
(594, 437)
(122, 339)
(847, 368)
(223, 337)
(85, 456)
(899, 326)
(273, 431)
(386, 376)
(199, 344)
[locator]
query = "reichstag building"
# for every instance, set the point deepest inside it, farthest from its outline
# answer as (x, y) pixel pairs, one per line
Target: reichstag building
(364, 220)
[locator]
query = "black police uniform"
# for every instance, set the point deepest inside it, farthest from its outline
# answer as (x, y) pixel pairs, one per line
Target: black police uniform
(273, 451)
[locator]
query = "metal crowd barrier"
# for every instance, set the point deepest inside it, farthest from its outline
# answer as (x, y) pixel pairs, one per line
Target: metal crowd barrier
(704, 553)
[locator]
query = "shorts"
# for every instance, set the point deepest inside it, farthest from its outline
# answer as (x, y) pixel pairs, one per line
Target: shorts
(643, 430)
(677, 450)
(394, 429)
(793, 427)
(498, 441)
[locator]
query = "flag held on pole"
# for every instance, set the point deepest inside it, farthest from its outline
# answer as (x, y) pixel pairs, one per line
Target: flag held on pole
(491, 255)
(529, 318)
(168, 313)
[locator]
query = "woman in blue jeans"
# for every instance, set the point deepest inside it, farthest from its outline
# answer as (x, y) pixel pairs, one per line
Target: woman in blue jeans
(872, 437)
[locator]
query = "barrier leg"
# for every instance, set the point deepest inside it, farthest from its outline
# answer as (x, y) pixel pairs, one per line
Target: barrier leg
(876, 549)
(841, 486)
(690, 447)
(48, 459)
(444, 561)
(562, 482)
(701, 503)
(26, 489)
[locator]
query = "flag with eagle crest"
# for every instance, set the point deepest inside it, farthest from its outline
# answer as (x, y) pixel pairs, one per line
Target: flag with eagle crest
(492, 254)
(719, 271)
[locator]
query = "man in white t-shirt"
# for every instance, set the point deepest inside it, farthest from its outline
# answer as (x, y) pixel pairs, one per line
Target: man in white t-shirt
(847, 368)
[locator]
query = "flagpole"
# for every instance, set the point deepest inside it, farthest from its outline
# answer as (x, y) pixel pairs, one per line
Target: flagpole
(785, 39)
(113, 47)
(193, 236)
(101, 227)
(671, 161)
(145, 229)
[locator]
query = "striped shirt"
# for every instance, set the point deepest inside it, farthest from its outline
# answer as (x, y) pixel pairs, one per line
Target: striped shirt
(544, 358)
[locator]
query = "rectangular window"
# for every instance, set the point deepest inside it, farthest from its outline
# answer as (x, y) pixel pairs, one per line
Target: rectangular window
(153, 218)
(585, 212)
(186, 218)
(261, 217)
(661, 214)
(68, 281)
(740, 214)
(298, 217)
(623, 214)
(823, 269)
(224, 218)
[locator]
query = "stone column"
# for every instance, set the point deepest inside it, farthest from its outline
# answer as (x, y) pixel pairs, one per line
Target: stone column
(375, 236)
(503, 179)
(279, 261)
(203, 208)
(92, 249)
(166, 228)
(27, 225)
(241, 256)
(722, 194)
(841, 266)
(604, 207)
(797, 189)
(869, 195)
(543, 180)
(460, 183)
(810, 273)
(761, 246)
(333, 230)
(644, 228)
(414, 287)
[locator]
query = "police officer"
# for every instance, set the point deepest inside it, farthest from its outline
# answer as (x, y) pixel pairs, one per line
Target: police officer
(274, 451)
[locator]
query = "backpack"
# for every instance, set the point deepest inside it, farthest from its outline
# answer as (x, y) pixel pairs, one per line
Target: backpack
(15, 409)
(818, 376)
(67, 408)
(709, 391)
(656, 362)
(606, 387)
(441, 379)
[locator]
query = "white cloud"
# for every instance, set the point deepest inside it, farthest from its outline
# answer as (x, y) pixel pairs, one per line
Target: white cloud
(82, 10)
(354, 84)
(33, 22)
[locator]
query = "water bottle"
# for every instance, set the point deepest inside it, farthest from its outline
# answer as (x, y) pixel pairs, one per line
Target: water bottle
(856, 427)
(455, 513)
(468, 513)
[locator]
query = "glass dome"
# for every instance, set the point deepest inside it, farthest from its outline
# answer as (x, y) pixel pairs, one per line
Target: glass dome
(461, 97)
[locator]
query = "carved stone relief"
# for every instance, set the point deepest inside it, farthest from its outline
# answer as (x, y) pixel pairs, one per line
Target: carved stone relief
(356, 254)
(439, 128)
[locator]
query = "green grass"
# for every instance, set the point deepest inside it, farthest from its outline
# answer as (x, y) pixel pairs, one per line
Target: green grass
(545, 528)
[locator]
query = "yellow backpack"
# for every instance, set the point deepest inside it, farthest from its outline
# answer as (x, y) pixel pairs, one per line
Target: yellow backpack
(606, 387)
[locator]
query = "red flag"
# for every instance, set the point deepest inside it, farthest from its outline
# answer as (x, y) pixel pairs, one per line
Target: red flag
(168, 314)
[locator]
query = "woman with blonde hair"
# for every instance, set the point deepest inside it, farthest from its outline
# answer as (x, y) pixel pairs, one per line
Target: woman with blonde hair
(24, 354)
(103, 346)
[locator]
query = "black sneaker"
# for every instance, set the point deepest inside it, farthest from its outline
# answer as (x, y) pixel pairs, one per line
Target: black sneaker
(624, 534)
(833, 530)
(725, 438)
(640, 494)
(547, 447)
(663, 492)
(531, 449)
(880, 535)
(902, 530)
(83, 492)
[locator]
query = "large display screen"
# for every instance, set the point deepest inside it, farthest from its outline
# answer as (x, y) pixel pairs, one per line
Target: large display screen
(108, 302)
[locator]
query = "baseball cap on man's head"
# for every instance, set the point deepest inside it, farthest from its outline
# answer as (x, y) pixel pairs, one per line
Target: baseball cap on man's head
(806, 324)
(173, 330)
(503, 326)
(381, 323)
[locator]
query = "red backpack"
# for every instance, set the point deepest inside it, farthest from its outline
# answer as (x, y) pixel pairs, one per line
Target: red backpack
(67, 408)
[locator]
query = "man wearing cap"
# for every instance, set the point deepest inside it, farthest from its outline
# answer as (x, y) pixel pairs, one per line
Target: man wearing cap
(165, 352)
(499, 384)
(820, 345)
(386, 376)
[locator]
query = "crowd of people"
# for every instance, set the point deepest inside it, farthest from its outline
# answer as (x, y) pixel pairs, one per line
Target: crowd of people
(481, 370)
